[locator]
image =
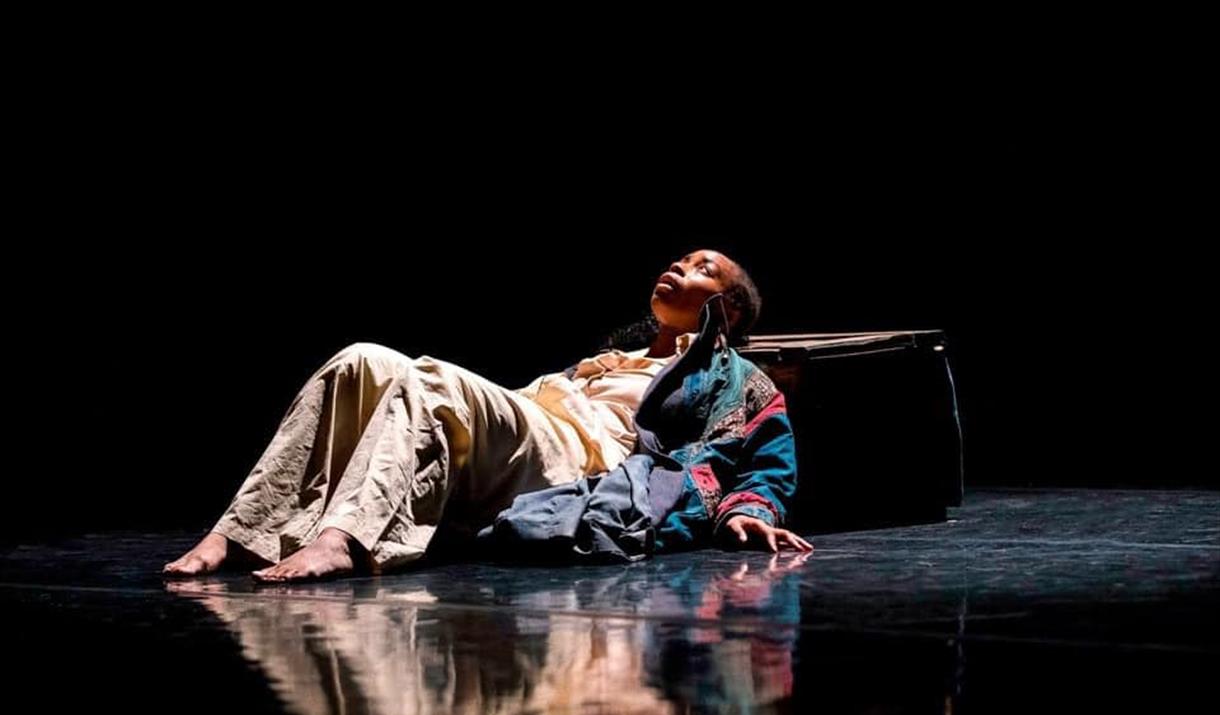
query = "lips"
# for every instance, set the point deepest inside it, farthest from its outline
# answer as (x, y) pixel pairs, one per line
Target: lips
(671, 279)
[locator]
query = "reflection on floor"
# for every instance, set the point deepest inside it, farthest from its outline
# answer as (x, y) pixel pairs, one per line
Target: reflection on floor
(1042, 600)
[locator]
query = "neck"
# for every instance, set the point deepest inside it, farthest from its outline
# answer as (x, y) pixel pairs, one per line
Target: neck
(666, 342)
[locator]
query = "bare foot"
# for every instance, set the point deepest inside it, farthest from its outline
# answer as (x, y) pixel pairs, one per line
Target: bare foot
(330, 555)
(206, 557)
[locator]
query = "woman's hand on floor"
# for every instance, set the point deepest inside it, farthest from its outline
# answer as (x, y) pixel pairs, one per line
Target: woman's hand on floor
(748, 530)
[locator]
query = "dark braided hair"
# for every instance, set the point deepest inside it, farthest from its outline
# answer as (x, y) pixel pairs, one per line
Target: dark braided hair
(633, 336)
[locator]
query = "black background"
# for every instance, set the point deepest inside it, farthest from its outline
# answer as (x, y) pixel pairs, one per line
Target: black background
(197, 242)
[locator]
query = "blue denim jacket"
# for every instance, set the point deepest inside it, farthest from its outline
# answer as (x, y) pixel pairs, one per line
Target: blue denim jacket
(714, 441)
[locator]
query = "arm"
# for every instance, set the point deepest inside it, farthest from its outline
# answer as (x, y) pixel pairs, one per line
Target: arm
(756, 506)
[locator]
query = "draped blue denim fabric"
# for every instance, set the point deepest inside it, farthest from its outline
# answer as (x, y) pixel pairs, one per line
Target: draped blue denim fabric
(604, 517)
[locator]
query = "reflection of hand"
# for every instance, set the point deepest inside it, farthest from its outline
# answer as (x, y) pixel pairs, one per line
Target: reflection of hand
(775, 568)
(746, 526)
(746, 589)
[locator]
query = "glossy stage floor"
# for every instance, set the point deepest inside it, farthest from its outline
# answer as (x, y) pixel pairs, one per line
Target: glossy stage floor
(1030, 601)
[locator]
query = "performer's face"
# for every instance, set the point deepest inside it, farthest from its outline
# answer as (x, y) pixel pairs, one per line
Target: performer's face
(681, 291)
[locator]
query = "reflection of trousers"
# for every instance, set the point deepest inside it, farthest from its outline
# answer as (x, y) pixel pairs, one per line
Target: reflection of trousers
(389, 656)
(378, 444)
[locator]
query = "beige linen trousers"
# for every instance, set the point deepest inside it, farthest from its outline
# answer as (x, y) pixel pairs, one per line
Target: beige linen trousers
(380, 445)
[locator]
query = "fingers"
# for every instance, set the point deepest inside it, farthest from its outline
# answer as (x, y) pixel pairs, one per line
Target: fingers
(788, 539)
(774, 538)
(795, 541)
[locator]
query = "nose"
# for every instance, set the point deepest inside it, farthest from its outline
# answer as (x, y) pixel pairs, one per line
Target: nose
(676, 267)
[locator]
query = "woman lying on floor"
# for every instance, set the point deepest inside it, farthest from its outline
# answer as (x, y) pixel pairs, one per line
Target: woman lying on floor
(660, 448)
